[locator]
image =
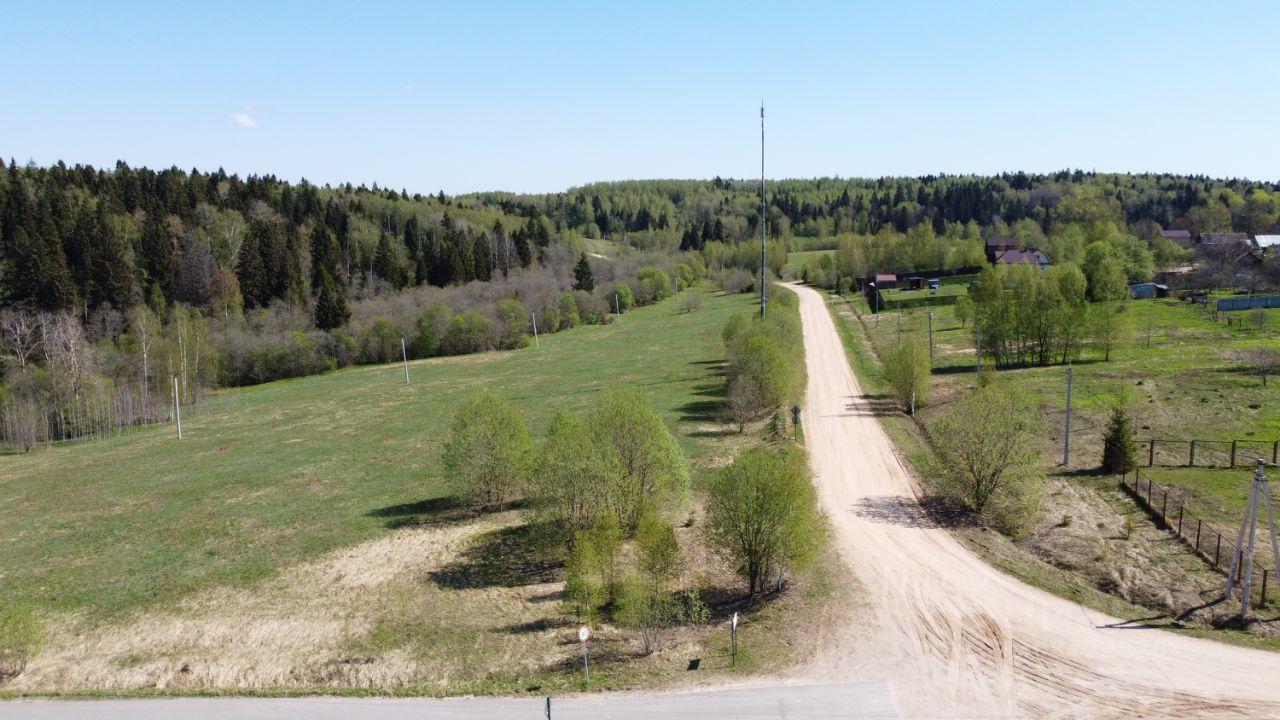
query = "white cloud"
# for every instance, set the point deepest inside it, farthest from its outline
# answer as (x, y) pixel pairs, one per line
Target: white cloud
(244, 120)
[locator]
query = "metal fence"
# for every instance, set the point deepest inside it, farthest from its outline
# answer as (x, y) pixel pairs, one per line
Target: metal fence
(1169, 452)
(1168, 506)
(1248, 303)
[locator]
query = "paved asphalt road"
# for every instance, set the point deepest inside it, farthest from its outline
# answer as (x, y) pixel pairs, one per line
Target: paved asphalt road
(850, 700)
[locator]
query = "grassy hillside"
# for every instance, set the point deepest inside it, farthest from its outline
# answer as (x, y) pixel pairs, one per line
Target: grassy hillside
(276, 474)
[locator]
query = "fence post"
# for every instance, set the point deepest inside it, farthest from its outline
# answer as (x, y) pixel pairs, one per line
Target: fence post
(1164, 505)
(1217, 550)
(1233, 453)
(1192, 461)
(1199, 524)
(1151, 454)
(1180, 509)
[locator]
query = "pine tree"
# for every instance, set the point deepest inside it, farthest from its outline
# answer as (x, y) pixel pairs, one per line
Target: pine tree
(1119, 454)
(583, 278)
(331, 304)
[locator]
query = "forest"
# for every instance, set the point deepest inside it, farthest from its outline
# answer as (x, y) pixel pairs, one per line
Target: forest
(119, 285)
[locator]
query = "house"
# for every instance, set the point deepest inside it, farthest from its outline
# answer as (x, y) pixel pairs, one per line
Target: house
(886, 281)
(1181, 237)
(915, 283)
(1266, 241)
(1029, 255)
(1147, 290)
(997, 245)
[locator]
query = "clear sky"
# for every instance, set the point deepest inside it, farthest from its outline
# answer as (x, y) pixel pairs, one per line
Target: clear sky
(535, 97)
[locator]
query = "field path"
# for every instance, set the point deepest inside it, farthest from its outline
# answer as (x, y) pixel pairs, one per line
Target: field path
(955, 637)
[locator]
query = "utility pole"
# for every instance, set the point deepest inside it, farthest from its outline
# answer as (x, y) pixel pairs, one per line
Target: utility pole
(404, 356)
(177, 409)
(1245, 540)
(977, 344)
(930, 338)
(1066, 431)
(764, 212)
(535, 329)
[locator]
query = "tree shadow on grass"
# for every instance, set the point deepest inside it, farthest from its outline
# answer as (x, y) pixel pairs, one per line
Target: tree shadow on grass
(430, 512)
(507, 557)
(707, 409)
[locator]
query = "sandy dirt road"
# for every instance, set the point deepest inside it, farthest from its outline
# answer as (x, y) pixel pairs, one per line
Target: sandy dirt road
(956, 638)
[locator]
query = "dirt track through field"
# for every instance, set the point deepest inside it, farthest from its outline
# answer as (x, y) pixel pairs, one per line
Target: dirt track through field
(955, 637)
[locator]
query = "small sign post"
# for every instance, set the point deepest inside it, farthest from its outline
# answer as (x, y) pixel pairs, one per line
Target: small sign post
(584, 634)
(733, 641)
(795, 421)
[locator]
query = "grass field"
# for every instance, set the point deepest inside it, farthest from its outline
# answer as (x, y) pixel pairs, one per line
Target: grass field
(275, 474)
(300, 537)
(797, 260)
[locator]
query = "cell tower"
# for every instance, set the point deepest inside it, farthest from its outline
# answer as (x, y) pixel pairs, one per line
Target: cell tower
(763, 215)
(1245, 541)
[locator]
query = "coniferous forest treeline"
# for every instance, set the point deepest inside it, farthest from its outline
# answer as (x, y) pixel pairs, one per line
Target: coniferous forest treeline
(116, 283)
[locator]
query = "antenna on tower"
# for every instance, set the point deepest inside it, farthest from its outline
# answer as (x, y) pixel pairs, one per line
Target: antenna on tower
(763, 215)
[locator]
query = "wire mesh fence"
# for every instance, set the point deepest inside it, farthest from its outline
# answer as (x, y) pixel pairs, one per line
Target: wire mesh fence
(1169, 452)
(1168, 505)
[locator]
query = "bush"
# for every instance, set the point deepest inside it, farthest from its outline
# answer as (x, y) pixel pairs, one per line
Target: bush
(655, 285)
(761, 378)
(572, 476)
(488, 451)
(621, 299)
(986, 455)
(469, 333)
(20, 638)
(963, 309)
(692, 301)
(1119, 453)
(380, 342)
(907, 371)
(763, 515)
(654, 474)
(513, 319)
(429, 330)
(569, 317)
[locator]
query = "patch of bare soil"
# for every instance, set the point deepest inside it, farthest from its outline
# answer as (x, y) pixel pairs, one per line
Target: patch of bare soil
(1119, 551)
(291, 630)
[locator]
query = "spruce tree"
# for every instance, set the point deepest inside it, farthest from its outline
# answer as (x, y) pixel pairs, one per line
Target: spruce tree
(331, 304)
(385, 263)
(583, 278)
(1119, 454)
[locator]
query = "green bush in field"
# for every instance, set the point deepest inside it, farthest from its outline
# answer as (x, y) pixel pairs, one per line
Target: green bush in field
(963, 310)
(763, 516)
(761, 378)
(646, 602)
(488, 451)
(986, 457)
(654, 474)
(907, 371)
(20, 638)
(573, 476)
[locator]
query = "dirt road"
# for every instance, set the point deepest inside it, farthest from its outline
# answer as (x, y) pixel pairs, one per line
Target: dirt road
(956, 638)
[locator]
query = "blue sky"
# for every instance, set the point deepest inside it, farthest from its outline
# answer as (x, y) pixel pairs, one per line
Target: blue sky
(534, 97)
